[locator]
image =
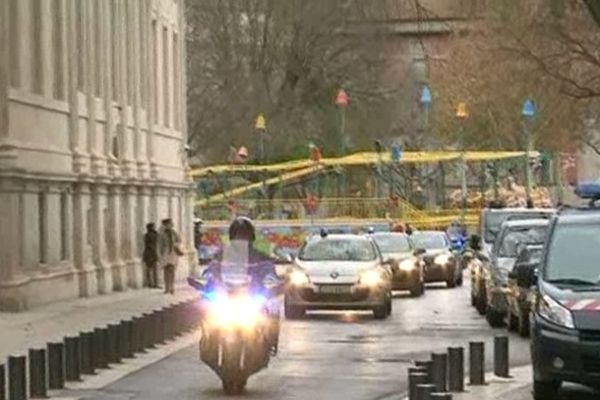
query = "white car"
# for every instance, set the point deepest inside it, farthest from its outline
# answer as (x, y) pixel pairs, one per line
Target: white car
(339, 272)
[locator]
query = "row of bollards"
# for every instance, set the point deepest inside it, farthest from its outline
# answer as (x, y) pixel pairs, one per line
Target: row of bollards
(50, 368)
(445, 372)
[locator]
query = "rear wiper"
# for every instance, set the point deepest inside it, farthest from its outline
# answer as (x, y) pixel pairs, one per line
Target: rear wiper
(573, 281)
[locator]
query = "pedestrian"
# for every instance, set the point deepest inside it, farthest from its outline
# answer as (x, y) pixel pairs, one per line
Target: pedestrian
(150, 255)
(169, 245)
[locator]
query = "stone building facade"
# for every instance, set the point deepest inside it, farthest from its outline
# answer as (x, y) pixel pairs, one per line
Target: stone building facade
(92, 143)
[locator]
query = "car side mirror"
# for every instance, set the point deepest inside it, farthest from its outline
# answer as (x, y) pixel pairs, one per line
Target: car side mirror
(475, 243)
(418, 252)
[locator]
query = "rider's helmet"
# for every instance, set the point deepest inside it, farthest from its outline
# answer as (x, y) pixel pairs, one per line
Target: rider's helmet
(323, 232)
(242, 228)
(371, 230)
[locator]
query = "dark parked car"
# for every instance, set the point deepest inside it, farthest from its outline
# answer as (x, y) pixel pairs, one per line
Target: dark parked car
(439, 261)
(504, 253)
(399, 252)
(520, 294)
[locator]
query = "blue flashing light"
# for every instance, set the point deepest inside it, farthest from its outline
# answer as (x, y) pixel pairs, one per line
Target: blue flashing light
(396, 152)
(588, 190)
(528, 109)
(425, 96)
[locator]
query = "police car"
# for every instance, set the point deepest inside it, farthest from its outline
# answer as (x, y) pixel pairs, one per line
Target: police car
(565, 320)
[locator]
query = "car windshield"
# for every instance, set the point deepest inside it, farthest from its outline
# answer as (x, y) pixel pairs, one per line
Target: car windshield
(517, 237)
(393, 243)
(430, 241)
(338, 250)
(494, 221)
(573, 254)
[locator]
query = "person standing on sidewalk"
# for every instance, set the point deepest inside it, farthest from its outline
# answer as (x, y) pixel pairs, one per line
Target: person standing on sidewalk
(150, 255)
(169, 249)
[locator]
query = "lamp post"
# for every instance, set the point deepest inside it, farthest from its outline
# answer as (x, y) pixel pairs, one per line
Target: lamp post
(462, 114)
(341, 101)
(261, 127)
(528, 113)
(425, 101)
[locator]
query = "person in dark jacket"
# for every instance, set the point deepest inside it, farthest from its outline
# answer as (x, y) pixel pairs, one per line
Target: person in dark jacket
(150, 255)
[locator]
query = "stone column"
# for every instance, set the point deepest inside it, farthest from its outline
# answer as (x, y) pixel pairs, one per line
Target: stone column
(67, 221)
(47, 55)
(81, 239)
(155, 90)
(123, 131)
(99, 245)
(4, 72)
(137, 59)
(29, 237)
(73, 93)
(25, 44)
(52, 226)
(12, 224)
(115, 239)
(130, 239)
(90, 41)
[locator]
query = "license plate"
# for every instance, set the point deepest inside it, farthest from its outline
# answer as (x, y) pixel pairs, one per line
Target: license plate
(335, 289)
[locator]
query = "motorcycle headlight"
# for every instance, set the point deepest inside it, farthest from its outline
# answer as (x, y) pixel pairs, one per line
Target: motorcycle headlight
(240, 311)
(408, 265)
(554, 312)
(442, 259)
(299, 278)
(371, 278)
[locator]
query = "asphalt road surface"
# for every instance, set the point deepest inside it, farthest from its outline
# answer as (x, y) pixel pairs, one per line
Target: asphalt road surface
(332, 355)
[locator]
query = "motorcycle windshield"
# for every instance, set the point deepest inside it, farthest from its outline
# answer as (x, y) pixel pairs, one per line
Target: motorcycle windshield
(234, 264)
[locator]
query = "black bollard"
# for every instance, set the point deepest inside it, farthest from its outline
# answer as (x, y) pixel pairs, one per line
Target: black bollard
(88, 361)
(441, 396)
(72, 359)
(501, 368)
(159, 326)
(38, 383)
(17, 380)
(149, 334)
(130, 335)
(56, 366)
(2, 382)
(124, 341)
(456, 369)
(100, 355)
(114, 345)
(418, 370)
(414, 379)
(439, 371)
(423, 392)
(138, 335)
(427, 365)
(477, 363)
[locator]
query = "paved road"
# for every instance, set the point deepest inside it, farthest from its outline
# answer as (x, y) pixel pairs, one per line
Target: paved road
(341, 356)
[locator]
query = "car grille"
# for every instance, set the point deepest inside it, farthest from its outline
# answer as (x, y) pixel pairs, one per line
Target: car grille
(589, 335)
(591, 364)
(312, 296)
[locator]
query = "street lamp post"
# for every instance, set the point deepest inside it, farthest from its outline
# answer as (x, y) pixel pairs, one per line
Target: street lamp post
(462, 114)
(425, 101)
(341, 101)
(528, 113)
(261, 127)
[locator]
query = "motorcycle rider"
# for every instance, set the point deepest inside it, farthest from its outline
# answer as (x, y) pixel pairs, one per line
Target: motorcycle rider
(261, 269)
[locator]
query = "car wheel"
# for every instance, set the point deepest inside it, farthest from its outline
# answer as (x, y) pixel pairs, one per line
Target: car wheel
(381, 312)
(459, 282)
(389, 307)
(418, 290)
(523, 324)
(451, 282)
(494, 318)
(545, 390)
(473, 300)
(293, 312)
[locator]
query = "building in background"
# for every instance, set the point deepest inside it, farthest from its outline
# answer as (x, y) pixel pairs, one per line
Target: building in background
(92, 143)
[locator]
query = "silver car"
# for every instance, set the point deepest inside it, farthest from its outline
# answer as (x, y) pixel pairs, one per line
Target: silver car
(339, 272)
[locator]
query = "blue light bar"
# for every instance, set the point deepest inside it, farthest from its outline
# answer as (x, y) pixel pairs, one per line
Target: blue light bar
(588, 190)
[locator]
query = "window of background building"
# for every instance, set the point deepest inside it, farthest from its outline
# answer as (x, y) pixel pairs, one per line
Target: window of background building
(36, 48)
(13, 33)
(57, 40)
(166, 76)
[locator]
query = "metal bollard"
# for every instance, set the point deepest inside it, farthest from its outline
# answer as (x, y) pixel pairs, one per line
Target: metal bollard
(427, 365)
(100, 354)
(88, 362)
(159, 325)
(414, 379)
(2, 382)
(456, 369)
(170, 322)
(439, 371)
(477, 363)
(114, 345)
(417, 370)
(124, 341)
(138, 335)
(38, 382)
(17, 380)
(424, 391)
(441, 396)
(56, 366)
(149, 335)
(72, 359)
(501, 367)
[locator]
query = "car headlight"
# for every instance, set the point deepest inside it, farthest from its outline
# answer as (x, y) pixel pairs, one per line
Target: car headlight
(408, 265)
(371, 278)
(299, 278)
(554, 312)
(442, 259)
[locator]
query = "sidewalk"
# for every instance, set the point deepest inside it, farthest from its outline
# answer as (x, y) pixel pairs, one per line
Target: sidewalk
(517, 387)
(34, 328)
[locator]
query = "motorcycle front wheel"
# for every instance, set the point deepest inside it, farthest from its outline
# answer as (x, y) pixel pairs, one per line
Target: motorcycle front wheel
(232, 376)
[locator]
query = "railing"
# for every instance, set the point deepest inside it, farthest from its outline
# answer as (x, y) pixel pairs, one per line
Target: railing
(333, 208)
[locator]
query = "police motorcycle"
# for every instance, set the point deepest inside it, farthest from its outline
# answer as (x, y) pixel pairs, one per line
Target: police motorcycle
(240, 321)
(458, 242)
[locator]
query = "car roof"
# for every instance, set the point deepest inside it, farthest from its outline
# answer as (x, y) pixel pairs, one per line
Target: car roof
(389, 234)
(524, 223)
(519, 210)
(346, 236)
(579, 216)
(430, 233)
